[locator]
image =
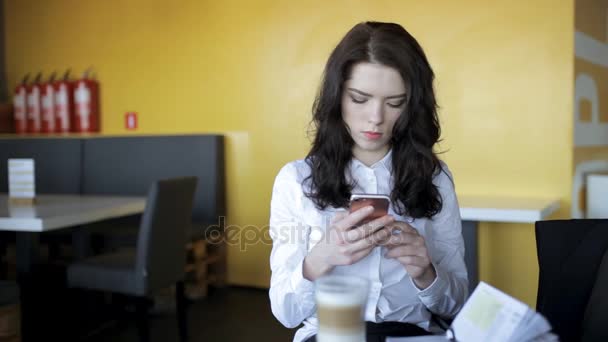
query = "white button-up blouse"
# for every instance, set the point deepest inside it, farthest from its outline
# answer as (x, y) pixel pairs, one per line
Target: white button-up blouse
(296, 225)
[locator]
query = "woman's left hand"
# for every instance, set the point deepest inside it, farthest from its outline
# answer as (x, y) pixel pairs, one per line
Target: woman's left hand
(409, 248)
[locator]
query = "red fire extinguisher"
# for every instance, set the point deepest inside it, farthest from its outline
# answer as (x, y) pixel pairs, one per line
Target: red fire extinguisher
(33, 105)
(64, 103)
(86, 104)
(20, 105)
(47, 102)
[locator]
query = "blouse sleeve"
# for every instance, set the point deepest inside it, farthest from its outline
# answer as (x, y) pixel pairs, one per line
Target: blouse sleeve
(447, 294)
(291, 295)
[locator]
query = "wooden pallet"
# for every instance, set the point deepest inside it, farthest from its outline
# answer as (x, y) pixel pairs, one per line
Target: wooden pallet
(10, 326)
(206, 266)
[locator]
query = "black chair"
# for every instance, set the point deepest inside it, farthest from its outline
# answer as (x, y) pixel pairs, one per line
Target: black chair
(158, 260)
(594, 321)
(569, 256)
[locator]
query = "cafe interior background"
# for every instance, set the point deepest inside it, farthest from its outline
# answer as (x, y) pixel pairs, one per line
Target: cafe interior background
(507, 78)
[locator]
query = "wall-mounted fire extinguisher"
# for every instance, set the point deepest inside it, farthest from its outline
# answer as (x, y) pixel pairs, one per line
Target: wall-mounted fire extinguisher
(33, 105)
(47, 104)
(20, 106)
(86, 104)
(64, 104)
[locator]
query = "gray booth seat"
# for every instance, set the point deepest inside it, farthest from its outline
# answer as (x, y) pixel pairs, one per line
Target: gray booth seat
(57, 163)
(129, 166)
(125, 166)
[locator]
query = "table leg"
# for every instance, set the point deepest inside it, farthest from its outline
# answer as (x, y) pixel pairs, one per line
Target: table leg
(81, 243)
(28, 253)
(469, 233)
(3, 248)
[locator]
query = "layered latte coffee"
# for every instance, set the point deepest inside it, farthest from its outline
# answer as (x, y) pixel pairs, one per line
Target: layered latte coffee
(340, 308)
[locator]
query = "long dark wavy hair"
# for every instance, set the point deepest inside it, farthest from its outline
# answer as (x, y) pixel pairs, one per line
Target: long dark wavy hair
(414, 134)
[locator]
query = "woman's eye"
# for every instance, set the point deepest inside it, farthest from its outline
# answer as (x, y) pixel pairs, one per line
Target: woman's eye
(356, 100)
(396, 105)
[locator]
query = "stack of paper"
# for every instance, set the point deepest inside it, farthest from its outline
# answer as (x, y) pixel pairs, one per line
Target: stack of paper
(492, 315)
(21, 179)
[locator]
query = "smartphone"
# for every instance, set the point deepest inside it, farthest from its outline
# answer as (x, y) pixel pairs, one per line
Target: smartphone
(379, 202)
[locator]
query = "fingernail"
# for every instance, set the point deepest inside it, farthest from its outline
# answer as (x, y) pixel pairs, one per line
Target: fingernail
(369, 208)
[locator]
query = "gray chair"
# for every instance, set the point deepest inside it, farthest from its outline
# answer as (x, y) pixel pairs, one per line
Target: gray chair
(158, 260)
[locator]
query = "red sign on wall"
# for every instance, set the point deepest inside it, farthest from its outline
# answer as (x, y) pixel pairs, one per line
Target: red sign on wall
(131, 121)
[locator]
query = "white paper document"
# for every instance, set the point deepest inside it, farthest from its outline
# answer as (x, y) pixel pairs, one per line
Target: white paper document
(491, 315)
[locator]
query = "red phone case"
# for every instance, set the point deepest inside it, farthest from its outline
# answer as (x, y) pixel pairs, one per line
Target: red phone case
(380, 207)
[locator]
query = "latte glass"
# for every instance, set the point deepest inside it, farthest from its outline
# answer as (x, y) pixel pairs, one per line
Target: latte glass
(341, 304)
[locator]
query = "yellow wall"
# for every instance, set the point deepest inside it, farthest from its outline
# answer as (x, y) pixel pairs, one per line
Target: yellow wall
(250, 69)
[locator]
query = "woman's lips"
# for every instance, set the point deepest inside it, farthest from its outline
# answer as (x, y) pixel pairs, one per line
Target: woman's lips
(372, 135)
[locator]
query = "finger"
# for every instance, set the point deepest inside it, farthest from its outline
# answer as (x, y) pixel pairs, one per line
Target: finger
(338, 216)
(361, 254)
(372, 240)
(409, 258)
(381, 238)
(414, 260)
(403, 227)
(405, 250)
(404, 239)
(352, 219)
(368, 229)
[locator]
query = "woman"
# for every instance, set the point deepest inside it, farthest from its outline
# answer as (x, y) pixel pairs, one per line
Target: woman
(376, 126)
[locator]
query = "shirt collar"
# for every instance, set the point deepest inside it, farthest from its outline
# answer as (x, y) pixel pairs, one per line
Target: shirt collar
(386, 162)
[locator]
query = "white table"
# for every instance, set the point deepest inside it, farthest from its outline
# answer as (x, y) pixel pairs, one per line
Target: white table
(506, 209)
(475, 209)
(53, 212)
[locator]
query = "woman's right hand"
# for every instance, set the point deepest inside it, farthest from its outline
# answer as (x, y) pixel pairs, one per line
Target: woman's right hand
(344, 245)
